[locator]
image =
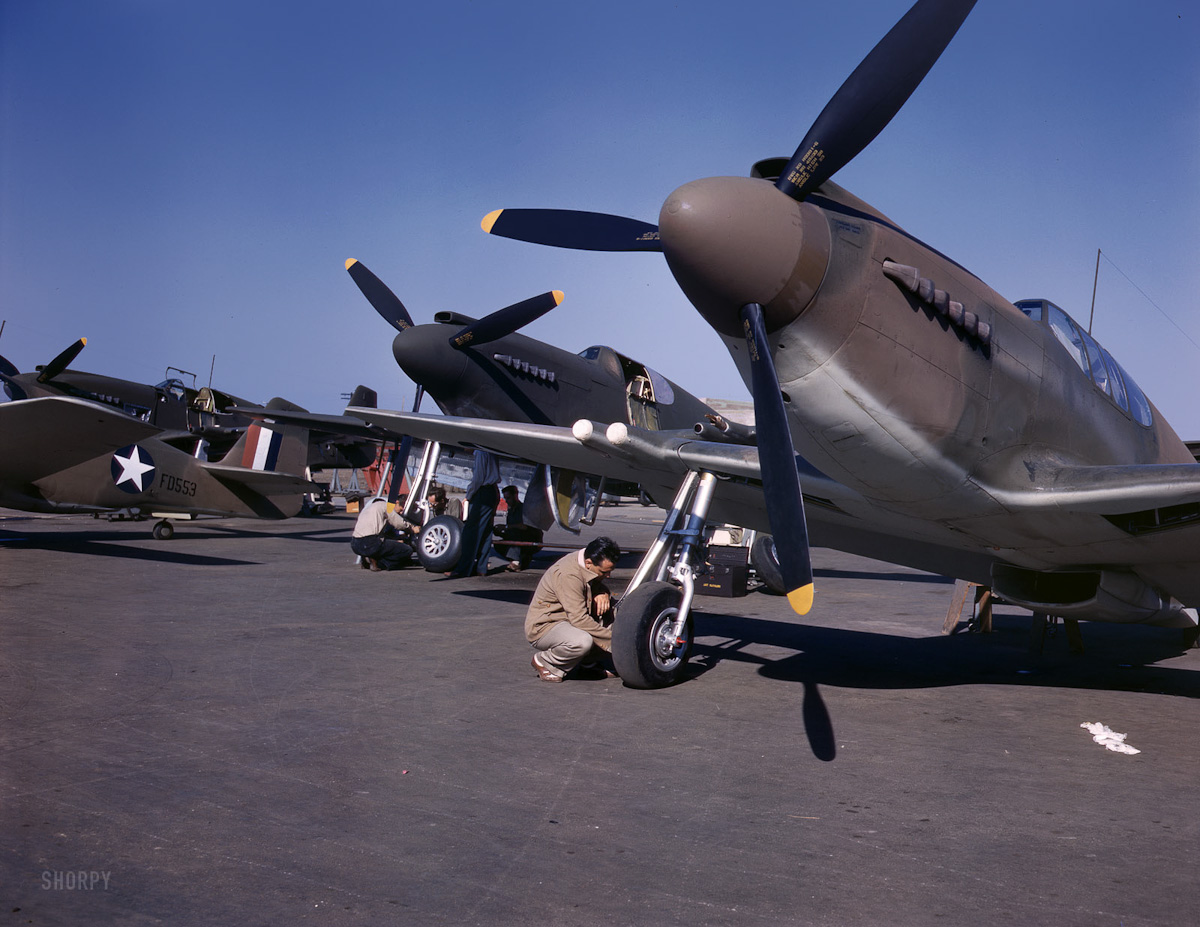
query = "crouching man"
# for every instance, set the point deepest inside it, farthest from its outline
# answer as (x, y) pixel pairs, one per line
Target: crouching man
(572, 610)
(382, 538)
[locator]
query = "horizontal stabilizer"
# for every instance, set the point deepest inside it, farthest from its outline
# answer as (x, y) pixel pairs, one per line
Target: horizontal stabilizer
(263, 482)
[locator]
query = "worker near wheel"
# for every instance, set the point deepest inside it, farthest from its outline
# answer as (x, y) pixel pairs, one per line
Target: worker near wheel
(382, 538)
(572, 610)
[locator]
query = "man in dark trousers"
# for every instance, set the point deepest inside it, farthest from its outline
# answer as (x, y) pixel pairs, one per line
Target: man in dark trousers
(483, 498)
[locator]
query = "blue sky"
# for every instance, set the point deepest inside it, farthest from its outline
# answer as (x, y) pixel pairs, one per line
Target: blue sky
(185, 179)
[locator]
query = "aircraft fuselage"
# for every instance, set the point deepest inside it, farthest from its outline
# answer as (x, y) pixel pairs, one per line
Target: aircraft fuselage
(908, 379)
(519, 379)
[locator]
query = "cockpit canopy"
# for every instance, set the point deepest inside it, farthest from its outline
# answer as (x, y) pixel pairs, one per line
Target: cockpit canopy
(173, 386)
(1109, 376)
(654, 387)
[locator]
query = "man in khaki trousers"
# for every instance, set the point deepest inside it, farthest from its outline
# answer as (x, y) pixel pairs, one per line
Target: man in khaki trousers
(572, 610)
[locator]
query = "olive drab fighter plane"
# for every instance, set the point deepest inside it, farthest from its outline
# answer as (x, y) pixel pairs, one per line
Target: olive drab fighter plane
(204, 422)
(65, 454)
(486, 368)
(938, 425)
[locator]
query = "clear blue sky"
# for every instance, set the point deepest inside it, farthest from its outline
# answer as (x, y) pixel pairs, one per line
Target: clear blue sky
(185, 179)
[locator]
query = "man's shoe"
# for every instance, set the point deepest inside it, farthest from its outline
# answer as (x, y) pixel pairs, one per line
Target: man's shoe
(544, 672)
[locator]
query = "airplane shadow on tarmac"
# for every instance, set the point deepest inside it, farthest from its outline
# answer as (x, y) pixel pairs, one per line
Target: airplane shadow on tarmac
(99, 544)
(1116, 658)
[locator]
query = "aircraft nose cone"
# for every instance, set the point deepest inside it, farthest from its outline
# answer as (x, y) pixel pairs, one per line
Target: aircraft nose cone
(736, 240)
(424, 354)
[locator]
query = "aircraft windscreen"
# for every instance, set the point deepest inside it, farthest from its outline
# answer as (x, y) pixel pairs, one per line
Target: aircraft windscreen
(1109, 376)
(173, 386)
(663, 394)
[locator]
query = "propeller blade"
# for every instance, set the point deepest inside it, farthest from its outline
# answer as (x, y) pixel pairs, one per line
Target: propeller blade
(507, 320)
(569, 228)
(777, 462)
(8, 370)
(386, 303)
(60, 363)
(873, 94)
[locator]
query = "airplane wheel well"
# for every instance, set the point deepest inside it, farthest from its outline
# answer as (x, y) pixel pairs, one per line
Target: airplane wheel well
(765, 561)
(645, 654)
(439, 545)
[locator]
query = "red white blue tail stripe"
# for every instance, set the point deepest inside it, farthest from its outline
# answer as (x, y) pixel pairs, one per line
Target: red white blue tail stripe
(262, 448)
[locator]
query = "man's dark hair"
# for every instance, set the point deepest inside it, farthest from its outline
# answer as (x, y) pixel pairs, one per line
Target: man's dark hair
(600, 549)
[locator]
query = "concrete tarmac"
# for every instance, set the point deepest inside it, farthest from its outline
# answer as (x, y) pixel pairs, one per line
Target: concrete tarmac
(238, 726)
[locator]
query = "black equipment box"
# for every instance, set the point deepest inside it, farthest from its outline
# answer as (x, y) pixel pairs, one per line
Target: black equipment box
(727, 555)
(723, 579)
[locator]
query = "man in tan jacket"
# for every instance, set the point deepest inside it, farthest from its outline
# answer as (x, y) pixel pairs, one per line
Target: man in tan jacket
(572, 610)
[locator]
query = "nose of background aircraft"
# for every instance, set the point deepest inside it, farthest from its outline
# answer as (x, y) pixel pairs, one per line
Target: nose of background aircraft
(424, 354)
(730, 241)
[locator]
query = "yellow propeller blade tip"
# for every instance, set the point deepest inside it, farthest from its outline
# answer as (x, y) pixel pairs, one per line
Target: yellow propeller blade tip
(490, 219)
(801, 599)
(558, 297)
(84, 340)
(350, 262)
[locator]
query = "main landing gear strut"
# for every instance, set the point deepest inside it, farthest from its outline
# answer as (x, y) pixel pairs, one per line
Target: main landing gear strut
(652, 631)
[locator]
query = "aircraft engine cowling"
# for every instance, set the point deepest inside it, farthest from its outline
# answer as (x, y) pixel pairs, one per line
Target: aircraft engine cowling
(1090, 595)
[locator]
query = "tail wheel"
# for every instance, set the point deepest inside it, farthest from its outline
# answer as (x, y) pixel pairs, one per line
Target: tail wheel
(439, 545)
(646, 652)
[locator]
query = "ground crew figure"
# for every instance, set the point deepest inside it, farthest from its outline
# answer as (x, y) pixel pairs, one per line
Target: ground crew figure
(515, 529)
(572, 610)
(381, 537)
(483, 497)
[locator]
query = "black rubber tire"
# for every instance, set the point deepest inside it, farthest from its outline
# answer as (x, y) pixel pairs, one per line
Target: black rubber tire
(765, 561)
(163, 531)
(439, 545)
(642, 619)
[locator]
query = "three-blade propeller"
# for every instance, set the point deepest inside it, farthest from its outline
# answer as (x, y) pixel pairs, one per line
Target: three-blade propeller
(860, 109)
(492, 326)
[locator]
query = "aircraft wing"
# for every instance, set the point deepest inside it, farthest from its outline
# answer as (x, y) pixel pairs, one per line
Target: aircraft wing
(53, 433)
(324, 424)
(657, 460)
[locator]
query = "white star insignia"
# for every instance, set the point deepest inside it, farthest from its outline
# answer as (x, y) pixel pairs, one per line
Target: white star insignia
(133, 468)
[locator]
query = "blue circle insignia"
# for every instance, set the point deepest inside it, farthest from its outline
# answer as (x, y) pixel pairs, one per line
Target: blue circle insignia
(133, 469)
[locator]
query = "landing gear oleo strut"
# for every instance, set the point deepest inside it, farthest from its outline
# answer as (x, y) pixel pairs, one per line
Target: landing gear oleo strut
(652, 633)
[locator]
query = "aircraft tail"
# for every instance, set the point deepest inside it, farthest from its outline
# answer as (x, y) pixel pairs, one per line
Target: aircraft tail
(364, 397)
(266, 467)
(270, 446)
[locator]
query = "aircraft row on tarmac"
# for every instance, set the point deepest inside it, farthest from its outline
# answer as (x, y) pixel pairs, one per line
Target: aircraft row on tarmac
(904, 409)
